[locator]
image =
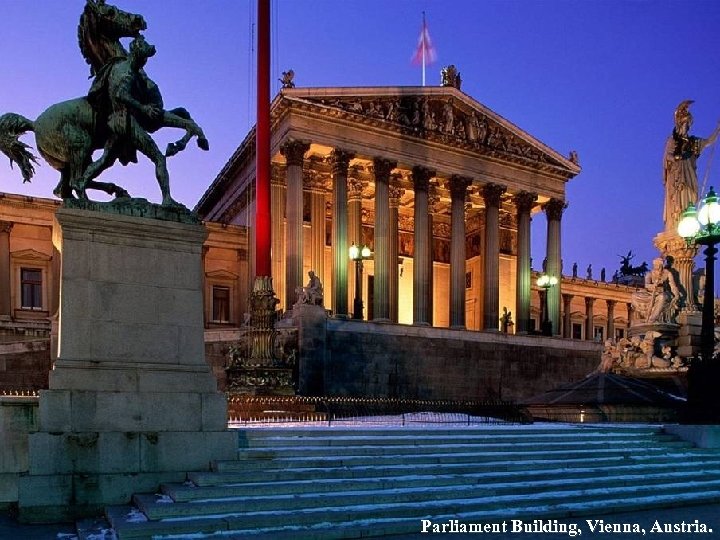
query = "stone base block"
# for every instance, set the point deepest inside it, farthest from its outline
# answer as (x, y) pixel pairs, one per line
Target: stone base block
(77, 474)
(81, 411)
(64, 498)
(8, 489)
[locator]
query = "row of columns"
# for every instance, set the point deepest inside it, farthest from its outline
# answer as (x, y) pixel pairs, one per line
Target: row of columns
(347, 226)
(589, 317)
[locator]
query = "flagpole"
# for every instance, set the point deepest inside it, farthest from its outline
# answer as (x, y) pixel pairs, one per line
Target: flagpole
(423, 49)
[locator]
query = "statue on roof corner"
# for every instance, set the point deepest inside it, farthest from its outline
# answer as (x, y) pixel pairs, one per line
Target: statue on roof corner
(680, 165)
(450, 76)
(287, 79)
(122, 108)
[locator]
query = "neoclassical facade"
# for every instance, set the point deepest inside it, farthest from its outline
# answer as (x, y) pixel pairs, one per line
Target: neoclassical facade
(440, 187)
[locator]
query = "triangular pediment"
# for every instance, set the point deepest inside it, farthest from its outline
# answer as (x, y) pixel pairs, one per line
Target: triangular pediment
(439, 114)
(30, 255)
(222, 274)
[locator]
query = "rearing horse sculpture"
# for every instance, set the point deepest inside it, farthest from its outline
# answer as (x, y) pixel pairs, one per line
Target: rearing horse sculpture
(67, 133)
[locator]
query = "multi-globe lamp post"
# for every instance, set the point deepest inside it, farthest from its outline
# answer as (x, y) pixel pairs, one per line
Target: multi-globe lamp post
(702, 227)
(546, 282)
(358, 254)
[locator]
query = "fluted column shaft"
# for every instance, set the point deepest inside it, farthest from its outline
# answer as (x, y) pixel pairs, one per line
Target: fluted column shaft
(355, 187)
(492, 194)
(567, 314)
(434, 206)
(393, 285)
(589, 318)
(554, 209)
(340, 162)
(5, 278)
(611, 319)
(316, 186)
(422, 249)
(524, 202)
(381, 291)
(277, 235)
(294, 152)
(458, 194)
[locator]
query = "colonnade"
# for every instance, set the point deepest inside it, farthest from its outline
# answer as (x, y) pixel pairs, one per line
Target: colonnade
(347, 228)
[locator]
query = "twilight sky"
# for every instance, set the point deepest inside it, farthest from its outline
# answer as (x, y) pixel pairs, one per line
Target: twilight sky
(602, 77)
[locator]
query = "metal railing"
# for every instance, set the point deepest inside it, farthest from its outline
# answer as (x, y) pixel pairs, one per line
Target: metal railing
(248, 409)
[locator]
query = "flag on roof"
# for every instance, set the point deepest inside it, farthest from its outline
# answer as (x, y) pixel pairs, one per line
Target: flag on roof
(425, 52)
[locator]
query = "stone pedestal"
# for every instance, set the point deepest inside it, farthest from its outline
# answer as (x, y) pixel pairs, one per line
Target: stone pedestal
(688, 341)
(131, 401)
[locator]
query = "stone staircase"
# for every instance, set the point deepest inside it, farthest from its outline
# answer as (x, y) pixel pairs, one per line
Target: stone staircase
(318, 483)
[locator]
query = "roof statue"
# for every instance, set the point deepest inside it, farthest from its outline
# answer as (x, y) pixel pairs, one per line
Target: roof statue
(450, 76)
(287, 79)
(122, 108)
(680, 165)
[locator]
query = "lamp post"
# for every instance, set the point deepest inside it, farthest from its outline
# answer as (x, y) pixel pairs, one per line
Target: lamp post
(358, 254)
(703, 228)
(545, 282)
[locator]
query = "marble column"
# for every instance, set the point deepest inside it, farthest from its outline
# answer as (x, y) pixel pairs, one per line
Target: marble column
(610, 319)
(355, 189)
(340, 160)
(458, 193)
(554, 209)
(629, 314)
(315, 185)
(277, 232)
(524, 202)
(394, 287)
(294, 152)
(492, 194)
(567, 316)
(436, 209)
(422, 248)
(5, 278)
(381, 291)
(589, 301)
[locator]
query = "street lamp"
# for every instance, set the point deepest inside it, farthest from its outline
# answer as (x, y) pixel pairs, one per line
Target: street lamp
(358, 254)
(545, 282)
(703, 228)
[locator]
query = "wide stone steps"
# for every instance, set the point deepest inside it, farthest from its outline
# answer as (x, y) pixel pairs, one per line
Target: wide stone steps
(340, 483)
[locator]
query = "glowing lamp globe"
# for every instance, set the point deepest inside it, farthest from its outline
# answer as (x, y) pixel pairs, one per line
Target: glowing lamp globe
(709, 214)
(689, 225)
(365, 252)
(354, 252)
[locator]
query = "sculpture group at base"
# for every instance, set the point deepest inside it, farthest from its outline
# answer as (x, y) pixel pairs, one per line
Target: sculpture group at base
(122, 108)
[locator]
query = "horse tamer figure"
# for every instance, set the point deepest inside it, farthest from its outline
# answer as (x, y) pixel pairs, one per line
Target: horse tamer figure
(122, 107)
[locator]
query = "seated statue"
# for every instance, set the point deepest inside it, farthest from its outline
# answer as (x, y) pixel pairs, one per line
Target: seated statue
(312, 293)
(659, 301)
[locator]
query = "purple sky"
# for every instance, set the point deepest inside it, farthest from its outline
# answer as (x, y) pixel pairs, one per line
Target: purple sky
(602, 77)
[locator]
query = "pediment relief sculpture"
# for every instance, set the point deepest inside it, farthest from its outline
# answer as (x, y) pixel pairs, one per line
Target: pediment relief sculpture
(445, 119)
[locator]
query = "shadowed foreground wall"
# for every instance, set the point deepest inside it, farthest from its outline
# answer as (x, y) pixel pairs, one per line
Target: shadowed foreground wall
(375, 359)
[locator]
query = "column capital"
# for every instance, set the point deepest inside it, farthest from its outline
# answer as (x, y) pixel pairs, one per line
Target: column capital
(382, 168)
(554, 209)
(524, 201)
(492, 193)
(340, 160)
(421, 177)
(355, 188)
(567, 298)
(458, 186)
(294, 151)
(589, 301)
(314, 181)
(395, 193)
(611, 304)
(6, 226)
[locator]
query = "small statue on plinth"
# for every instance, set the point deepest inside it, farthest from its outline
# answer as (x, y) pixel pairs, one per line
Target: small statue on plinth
(588, 272)
(660, 300)
(506, 322)
(312, 293)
